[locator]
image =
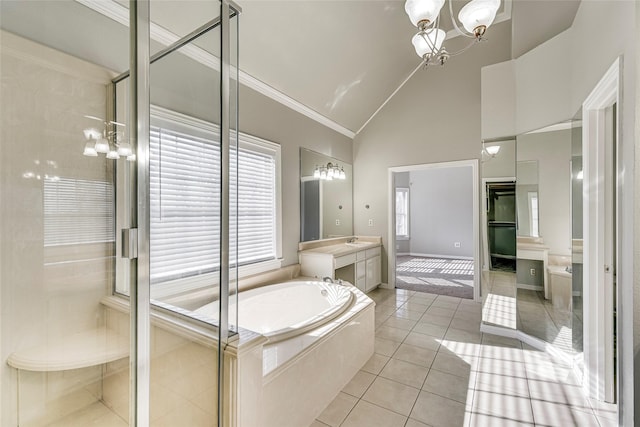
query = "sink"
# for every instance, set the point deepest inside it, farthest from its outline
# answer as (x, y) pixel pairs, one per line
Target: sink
(358, 244)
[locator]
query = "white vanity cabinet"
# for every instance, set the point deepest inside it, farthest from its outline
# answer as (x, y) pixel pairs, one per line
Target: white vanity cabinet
(359, 264)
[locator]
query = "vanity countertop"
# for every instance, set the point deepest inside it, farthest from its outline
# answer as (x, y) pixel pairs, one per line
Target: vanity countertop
(339, 246)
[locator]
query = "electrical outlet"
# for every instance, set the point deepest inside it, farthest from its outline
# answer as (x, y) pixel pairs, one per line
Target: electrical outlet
(337, 222)
(532, 271)
(456, 245)
(370, 223)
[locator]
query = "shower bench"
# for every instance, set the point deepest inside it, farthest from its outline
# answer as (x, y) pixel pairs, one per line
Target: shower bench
(80, 350)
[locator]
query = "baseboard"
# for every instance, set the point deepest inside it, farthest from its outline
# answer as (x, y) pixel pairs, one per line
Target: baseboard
(403, 254)
(440, 256)
(530, 287)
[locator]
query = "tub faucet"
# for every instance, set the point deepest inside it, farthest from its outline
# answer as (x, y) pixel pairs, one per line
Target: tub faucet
(327, 279)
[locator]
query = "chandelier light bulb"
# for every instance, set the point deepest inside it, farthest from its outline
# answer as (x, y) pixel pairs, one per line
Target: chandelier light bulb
(342, 174)
(428, 42)
(102, 146)
(113, 155)
(124, 149)
(477, 15)
(323, 173)
(316, 172)
(90, 149)
(423, 11)
(493, 150)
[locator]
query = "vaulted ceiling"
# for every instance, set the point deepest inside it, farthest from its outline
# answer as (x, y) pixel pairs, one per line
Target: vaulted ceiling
(341, 60)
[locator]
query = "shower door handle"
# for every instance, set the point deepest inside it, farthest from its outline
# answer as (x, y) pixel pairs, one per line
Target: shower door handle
(130, 243)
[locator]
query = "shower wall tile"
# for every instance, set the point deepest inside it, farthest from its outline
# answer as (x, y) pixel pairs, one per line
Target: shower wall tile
(46, 292)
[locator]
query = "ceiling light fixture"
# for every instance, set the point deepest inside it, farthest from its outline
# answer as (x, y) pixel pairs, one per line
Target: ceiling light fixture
(476, 16)
(329, 172)
(108, 141)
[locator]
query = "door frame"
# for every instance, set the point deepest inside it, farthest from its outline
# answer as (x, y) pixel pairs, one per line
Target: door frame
(391, 260)
(598, 305)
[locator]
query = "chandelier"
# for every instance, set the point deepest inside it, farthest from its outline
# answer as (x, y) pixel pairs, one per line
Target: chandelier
(329, 172)
(107, 141)
(476, 16)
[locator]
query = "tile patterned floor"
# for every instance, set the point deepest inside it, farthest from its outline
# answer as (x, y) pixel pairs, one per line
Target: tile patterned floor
(433, 367)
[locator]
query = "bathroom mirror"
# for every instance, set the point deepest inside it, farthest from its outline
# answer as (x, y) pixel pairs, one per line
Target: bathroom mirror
(543, 193)
(576, 237)
(527, 198)
(498, 171)
(326, 197)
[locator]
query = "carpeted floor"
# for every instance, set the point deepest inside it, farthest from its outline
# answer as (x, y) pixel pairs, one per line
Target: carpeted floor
(453, 277)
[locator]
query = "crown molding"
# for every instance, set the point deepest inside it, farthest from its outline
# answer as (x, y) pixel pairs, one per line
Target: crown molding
(120, 14)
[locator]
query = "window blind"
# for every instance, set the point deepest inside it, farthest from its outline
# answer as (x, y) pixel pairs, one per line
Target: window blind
(77, 211)
(402, 212)
(185, 203)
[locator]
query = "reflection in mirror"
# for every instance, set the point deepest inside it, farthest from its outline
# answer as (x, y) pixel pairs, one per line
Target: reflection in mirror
(576, 237)
(527, 200)
(544, 234)
(499, 233)
(326, 201)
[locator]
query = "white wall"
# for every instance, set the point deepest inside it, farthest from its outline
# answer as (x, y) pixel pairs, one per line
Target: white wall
(435, 117)
(441, 212)
(498, 97)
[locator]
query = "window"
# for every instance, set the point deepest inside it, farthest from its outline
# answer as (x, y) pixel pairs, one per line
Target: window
(185, 198)
(77, 211)
(402, 212)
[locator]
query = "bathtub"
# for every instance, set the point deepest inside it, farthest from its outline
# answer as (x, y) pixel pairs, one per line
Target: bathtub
(284, 310)
(316, 337)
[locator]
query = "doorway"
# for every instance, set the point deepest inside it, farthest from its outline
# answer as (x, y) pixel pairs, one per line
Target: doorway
(434, 228)
(608, 313)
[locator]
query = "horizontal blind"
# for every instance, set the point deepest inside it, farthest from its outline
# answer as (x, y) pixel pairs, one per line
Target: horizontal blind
(78, 211)
(185, 203)
(402, 212)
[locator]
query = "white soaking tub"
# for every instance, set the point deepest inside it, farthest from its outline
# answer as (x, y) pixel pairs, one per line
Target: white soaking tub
(287, 309)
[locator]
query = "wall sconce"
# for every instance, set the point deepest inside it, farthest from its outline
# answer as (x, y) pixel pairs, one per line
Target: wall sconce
(329, 172)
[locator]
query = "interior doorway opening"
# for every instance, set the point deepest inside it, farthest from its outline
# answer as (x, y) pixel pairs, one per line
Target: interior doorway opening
(434, 228)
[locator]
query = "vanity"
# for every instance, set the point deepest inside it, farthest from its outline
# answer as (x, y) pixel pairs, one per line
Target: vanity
(353, 259)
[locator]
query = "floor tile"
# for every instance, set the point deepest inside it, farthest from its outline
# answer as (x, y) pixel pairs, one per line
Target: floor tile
(455, 365)
(375, 364)
(416, 355)
(514, 408)
(447, 385)
(393, 334)
(338, 409)
(435, 320)
(392, 395)
(359, 383)
(466, 325)
(396, 322)
(405, 373)
(430, 329)
(366, 414)
(415, 423)
(421, 340)
(554, 414)
(463, 336)
(404, 313)
(438, 411)
(385, 347)
(317, 423)
(442, 312)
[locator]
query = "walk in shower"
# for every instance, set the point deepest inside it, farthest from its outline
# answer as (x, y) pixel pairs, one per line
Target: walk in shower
(118, 181)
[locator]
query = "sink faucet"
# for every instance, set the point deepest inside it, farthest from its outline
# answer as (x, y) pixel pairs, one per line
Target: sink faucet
(352, 240)
(327, 279)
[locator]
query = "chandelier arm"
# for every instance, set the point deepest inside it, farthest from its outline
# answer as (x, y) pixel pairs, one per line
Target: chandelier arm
(455, 24)
(464, 49)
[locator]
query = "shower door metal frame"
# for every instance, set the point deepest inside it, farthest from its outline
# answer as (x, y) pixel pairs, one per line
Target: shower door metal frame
(140, 298)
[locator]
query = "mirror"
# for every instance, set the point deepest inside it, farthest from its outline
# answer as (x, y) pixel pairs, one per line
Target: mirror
(326, 205)
(576, 238)
(498, 283)
(543, 265)
(527, 198)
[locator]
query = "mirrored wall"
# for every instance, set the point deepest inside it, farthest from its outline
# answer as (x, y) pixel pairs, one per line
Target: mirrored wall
(532, 234)
(326, 197)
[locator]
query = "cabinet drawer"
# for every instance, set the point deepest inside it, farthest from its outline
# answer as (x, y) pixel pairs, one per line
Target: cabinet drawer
(373, 252)
(361, 256)
(344, 260)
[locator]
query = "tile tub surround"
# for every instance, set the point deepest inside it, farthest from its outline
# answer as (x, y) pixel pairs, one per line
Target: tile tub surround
(469, 378)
